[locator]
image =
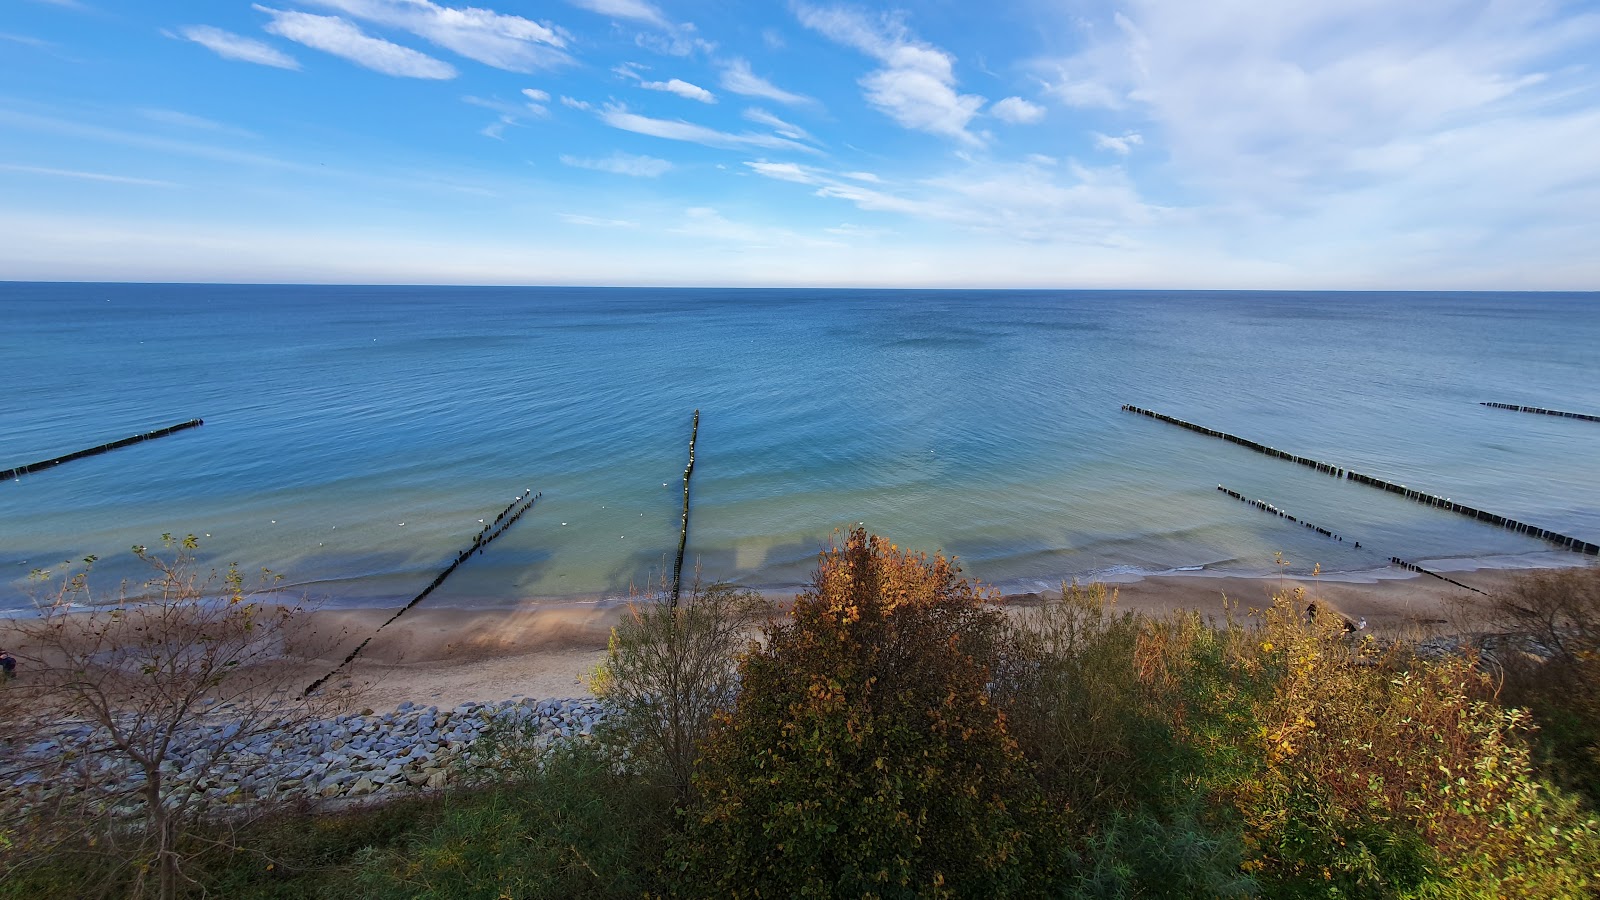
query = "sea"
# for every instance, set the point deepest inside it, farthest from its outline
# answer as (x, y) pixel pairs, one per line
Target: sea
(355, 438)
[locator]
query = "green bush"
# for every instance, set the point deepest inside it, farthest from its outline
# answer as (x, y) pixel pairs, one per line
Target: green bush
(576, 829)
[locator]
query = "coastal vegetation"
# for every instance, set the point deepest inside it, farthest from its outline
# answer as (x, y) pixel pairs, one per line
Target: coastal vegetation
(897, 733)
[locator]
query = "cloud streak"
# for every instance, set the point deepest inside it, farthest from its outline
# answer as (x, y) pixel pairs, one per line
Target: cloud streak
(737, 78)
(228, 45)
(86, 176)
(512, 43)
(682, 88)
(622, 164)
(679, 130)
(338, 37)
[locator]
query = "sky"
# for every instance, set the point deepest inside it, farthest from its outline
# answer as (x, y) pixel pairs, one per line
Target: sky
(1250, 144)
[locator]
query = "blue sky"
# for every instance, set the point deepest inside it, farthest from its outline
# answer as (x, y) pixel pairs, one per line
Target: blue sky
(1145, 143)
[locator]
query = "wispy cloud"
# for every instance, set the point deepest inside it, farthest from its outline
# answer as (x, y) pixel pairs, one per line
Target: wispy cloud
(27, 41)
(622, 164)
(706, 222)
(228, 45)
(1017, 111)
(597, 222)
(575, 103)
(1121, 146)
(86, 176)
(512, 43)
(682, 88)
(738, 78)
(678, 130)
(631, 10)
(196, 123)
(762, 117)
(1016, 201)
(511, 114)
(341, 38)
(916, 86)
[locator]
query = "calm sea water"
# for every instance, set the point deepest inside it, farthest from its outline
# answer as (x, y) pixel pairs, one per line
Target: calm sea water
(982, 423)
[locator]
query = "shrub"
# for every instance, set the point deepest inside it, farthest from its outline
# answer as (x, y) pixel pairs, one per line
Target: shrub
(1390, 776)
(577, 828)
(187, 673)
(668, 671)
(864, 757)
(1550, 660)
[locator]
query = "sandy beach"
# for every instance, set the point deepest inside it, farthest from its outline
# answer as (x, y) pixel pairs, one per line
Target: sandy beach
(443, 656)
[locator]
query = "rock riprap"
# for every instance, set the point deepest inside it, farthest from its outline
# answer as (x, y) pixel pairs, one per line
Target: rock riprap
(413, 748)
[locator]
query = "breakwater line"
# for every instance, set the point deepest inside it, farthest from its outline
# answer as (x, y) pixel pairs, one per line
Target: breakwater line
(683, 533)
(500, 525)
(1560, 540)
(1566, 542)
(1413, 567)
(19, 471)
(1269, 508)
(1320, 466)
(1542, 411)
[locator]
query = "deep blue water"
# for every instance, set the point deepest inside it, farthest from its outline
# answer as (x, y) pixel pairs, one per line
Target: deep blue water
(982, 423)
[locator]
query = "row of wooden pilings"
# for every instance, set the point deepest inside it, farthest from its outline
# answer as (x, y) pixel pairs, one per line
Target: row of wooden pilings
(683, 533)
(485, 536)
(19, 471)
(1542, 411)
(1322, 467)
(1413, 567)
(1268, 507)
(1482, 515)
(1566, 542)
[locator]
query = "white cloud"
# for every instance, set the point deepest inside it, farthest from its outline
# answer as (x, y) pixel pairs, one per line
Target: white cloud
(1121, 146)
(678, 130)
(334, 35)
(1017, 111)
(762, 117)
(786, 171)
(228, 45)
(682, 88)
(1298, 102)
(738, 78)
(1014, 201)
(916, 86)
(86, 176)
(622, 164)
(632, 10)
(575, 103)
(1039, 159)
(536, 95)
(507, 42)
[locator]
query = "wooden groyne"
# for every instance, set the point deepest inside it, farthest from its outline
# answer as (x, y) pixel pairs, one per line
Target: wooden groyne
(1269, 508)
(1320, 466)
(683, 533)
(1566, 542)
(1560, 540)
(1542, 411)
(1413, 567)
(19, 471)
(501, 523)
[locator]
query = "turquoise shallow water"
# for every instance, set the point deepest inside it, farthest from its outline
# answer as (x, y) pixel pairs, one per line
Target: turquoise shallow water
(985, 424)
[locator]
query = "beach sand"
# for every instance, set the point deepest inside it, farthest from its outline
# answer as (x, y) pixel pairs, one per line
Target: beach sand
(443, 656)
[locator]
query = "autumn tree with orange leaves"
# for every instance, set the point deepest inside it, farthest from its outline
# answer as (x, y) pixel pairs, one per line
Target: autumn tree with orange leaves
(864, 757)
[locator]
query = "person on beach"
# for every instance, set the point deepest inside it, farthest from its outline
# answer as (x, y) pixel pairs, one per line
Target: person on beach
(8, 665)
